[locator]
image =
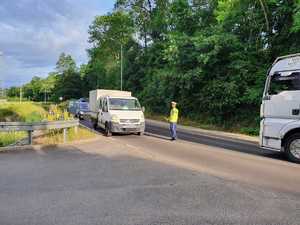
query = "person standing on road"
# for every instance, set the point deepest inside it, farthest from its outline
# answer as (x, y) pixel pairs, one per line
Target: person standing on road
(173, 121)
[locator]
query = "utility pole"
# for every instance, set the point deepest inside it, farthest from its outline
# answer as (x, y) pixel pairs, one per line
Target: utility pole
(121, 67)
(21, 94)
(1, 90)
(45, 96)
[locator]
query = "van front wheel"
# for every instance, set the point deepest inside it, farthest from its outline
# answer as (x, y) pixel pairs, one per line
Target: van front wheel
(95, 125)
(107, 130)
(292, 148)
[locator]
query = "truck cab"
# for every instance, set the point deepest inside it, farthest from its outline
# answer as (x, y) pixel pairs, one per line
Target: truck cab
(117, 112)
(280, 108)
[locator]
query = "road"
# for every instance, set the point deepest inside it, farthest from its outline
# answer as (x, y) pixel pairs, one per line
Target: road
(249, 147)
(148, 180)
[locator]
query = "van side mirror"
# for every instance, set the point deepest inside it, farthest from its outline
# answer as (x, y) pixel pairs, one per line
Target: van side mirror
(267, 97)
(143, 109)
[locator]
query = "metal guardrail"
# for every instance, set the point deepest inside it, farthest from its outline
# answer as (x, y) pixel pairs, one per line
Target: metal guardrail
(31, 127)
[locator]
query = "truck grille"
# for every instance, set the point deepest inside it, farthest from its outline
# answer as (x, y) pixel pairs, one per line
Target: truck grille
(129, 120)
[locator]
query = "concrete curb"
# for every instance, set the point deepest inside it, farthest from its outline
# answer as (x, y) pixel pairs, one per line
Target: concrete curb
(208, 133)
(39, 146)
(16, 148)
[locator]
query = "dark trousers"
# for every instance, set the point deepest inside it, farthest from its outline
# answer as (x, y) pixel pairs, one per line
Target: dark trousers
(173, 130)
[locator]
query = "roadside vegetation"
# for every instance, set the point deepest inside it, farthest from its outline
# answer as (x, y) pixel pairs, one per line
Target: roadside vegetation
(36, 112)
(210, 56)
(56, 136)
(23, 112)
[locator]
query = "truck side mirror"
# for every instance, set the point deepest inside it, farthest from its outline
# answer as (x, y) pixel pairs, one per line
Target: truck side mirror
(143, 109)
(267, 97)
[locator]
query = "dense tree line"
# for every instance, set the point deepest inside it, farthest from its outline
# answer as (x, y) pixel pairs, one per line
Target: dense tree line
(209, 55)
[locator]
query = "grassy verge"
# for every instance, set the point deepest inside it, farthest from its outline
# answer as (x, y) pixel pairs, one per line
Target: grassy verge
(8, 138)
(24, 112)
(56, 136)
(35, 112)
(251, 130)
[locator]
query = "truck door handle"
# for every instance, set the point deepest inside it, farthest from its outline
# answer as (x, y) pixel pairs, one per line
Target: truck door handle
(295, 112)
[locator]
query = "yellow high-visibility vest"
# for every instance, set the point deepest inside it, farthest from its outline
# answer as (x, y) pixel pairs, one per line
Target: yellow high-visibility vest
(173, 115)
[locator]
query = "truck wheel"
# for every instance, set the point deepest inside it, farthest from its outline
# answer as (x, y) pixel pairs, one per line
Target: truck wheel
(292, 148)
(107, 130)
(140, 133)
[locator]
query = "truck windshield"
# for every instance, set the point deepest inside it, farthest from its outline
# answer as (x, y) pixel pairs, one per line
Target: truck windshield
(284, 83)
(124, 104)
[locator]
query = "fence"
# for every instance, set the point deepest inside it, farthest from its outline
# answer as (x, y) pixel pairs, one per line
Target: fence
(31, 127)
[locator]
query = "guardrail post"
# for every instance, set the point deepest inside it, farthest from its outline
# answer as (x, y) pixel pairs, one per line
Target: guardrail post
(30, 137)
(65, 135)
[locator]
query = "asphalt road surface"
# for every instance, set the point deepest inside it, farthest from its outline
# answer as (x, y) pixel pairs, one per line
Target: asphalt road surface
(222, 143)
(133, 180)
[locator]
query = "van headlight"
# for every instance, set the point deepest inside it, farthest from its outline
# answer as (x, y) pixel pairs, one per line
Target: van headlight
(142, 119)
(115, 119)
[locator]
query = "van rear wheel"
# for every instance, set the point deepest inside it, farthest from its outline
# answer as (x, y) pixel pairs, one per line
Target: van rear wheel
(292, 148)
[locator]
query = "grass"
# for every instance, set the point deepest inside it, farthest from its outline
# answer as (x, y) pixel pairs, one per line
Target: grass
(8, 138)
(36, 112)
(18, 112)
(56, 136)
(203, 124)
(24, 112)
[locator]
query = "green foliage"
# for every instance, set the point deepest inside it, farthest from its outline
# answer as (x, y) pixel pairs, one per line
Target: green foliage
(25, 112)
(211, 56)
(296, 17)
(7, 138)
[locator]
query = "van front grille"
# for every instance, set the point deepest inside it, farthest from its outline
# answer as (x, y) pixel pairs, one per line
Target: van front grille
(129, 120)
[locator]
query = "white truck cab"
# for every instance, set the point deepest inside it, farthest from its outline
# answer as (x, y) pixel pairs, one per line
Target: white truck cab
(116, 112)
(280, 108)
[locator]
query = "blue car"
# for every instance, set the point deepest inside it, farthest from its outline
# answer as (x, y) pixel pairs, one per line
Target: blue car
(79, 108)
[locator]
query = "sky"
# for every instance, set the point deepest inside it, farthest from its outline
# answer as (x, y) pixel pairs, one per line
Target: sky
(33, 33)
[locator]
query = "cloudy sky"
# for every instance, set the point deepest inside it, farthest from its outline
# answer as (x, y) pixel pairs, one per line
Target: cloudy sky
(34, 32)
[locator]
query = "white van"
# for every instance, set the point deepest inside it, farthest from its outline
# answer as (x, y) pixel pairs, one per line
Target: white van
(116, 112)
(280, 108)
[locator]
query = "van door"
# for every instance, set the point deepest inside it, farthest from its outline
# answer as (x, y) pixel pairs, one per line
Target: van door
(105, 112)
(100, 112)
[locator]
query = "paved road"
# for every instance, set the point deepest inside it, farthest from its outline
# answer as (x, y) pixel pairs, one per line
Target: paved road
(132, 180)
(221, 143)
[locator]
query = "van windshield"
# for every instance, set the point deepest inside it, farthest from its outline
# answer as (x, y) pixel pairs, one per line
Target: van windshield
(284, 83)
(124, 104)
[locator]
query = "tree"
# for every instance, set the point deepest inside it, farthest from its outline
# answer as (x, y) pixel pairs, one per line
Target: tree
(65, 63)
(68, 83)
(109, 35)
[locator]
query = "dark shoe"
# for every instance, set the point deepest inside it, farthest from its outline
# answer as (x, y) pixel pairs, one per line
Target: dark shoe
(173, 139)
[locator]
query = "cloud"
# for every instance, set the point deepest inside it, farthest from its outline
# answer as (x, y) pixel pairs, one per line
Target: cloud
(34, 32)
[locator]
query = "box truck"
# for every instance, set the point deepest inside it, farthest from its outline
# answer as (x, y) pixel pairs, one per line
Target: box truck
(116, 112)
(280, 108)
